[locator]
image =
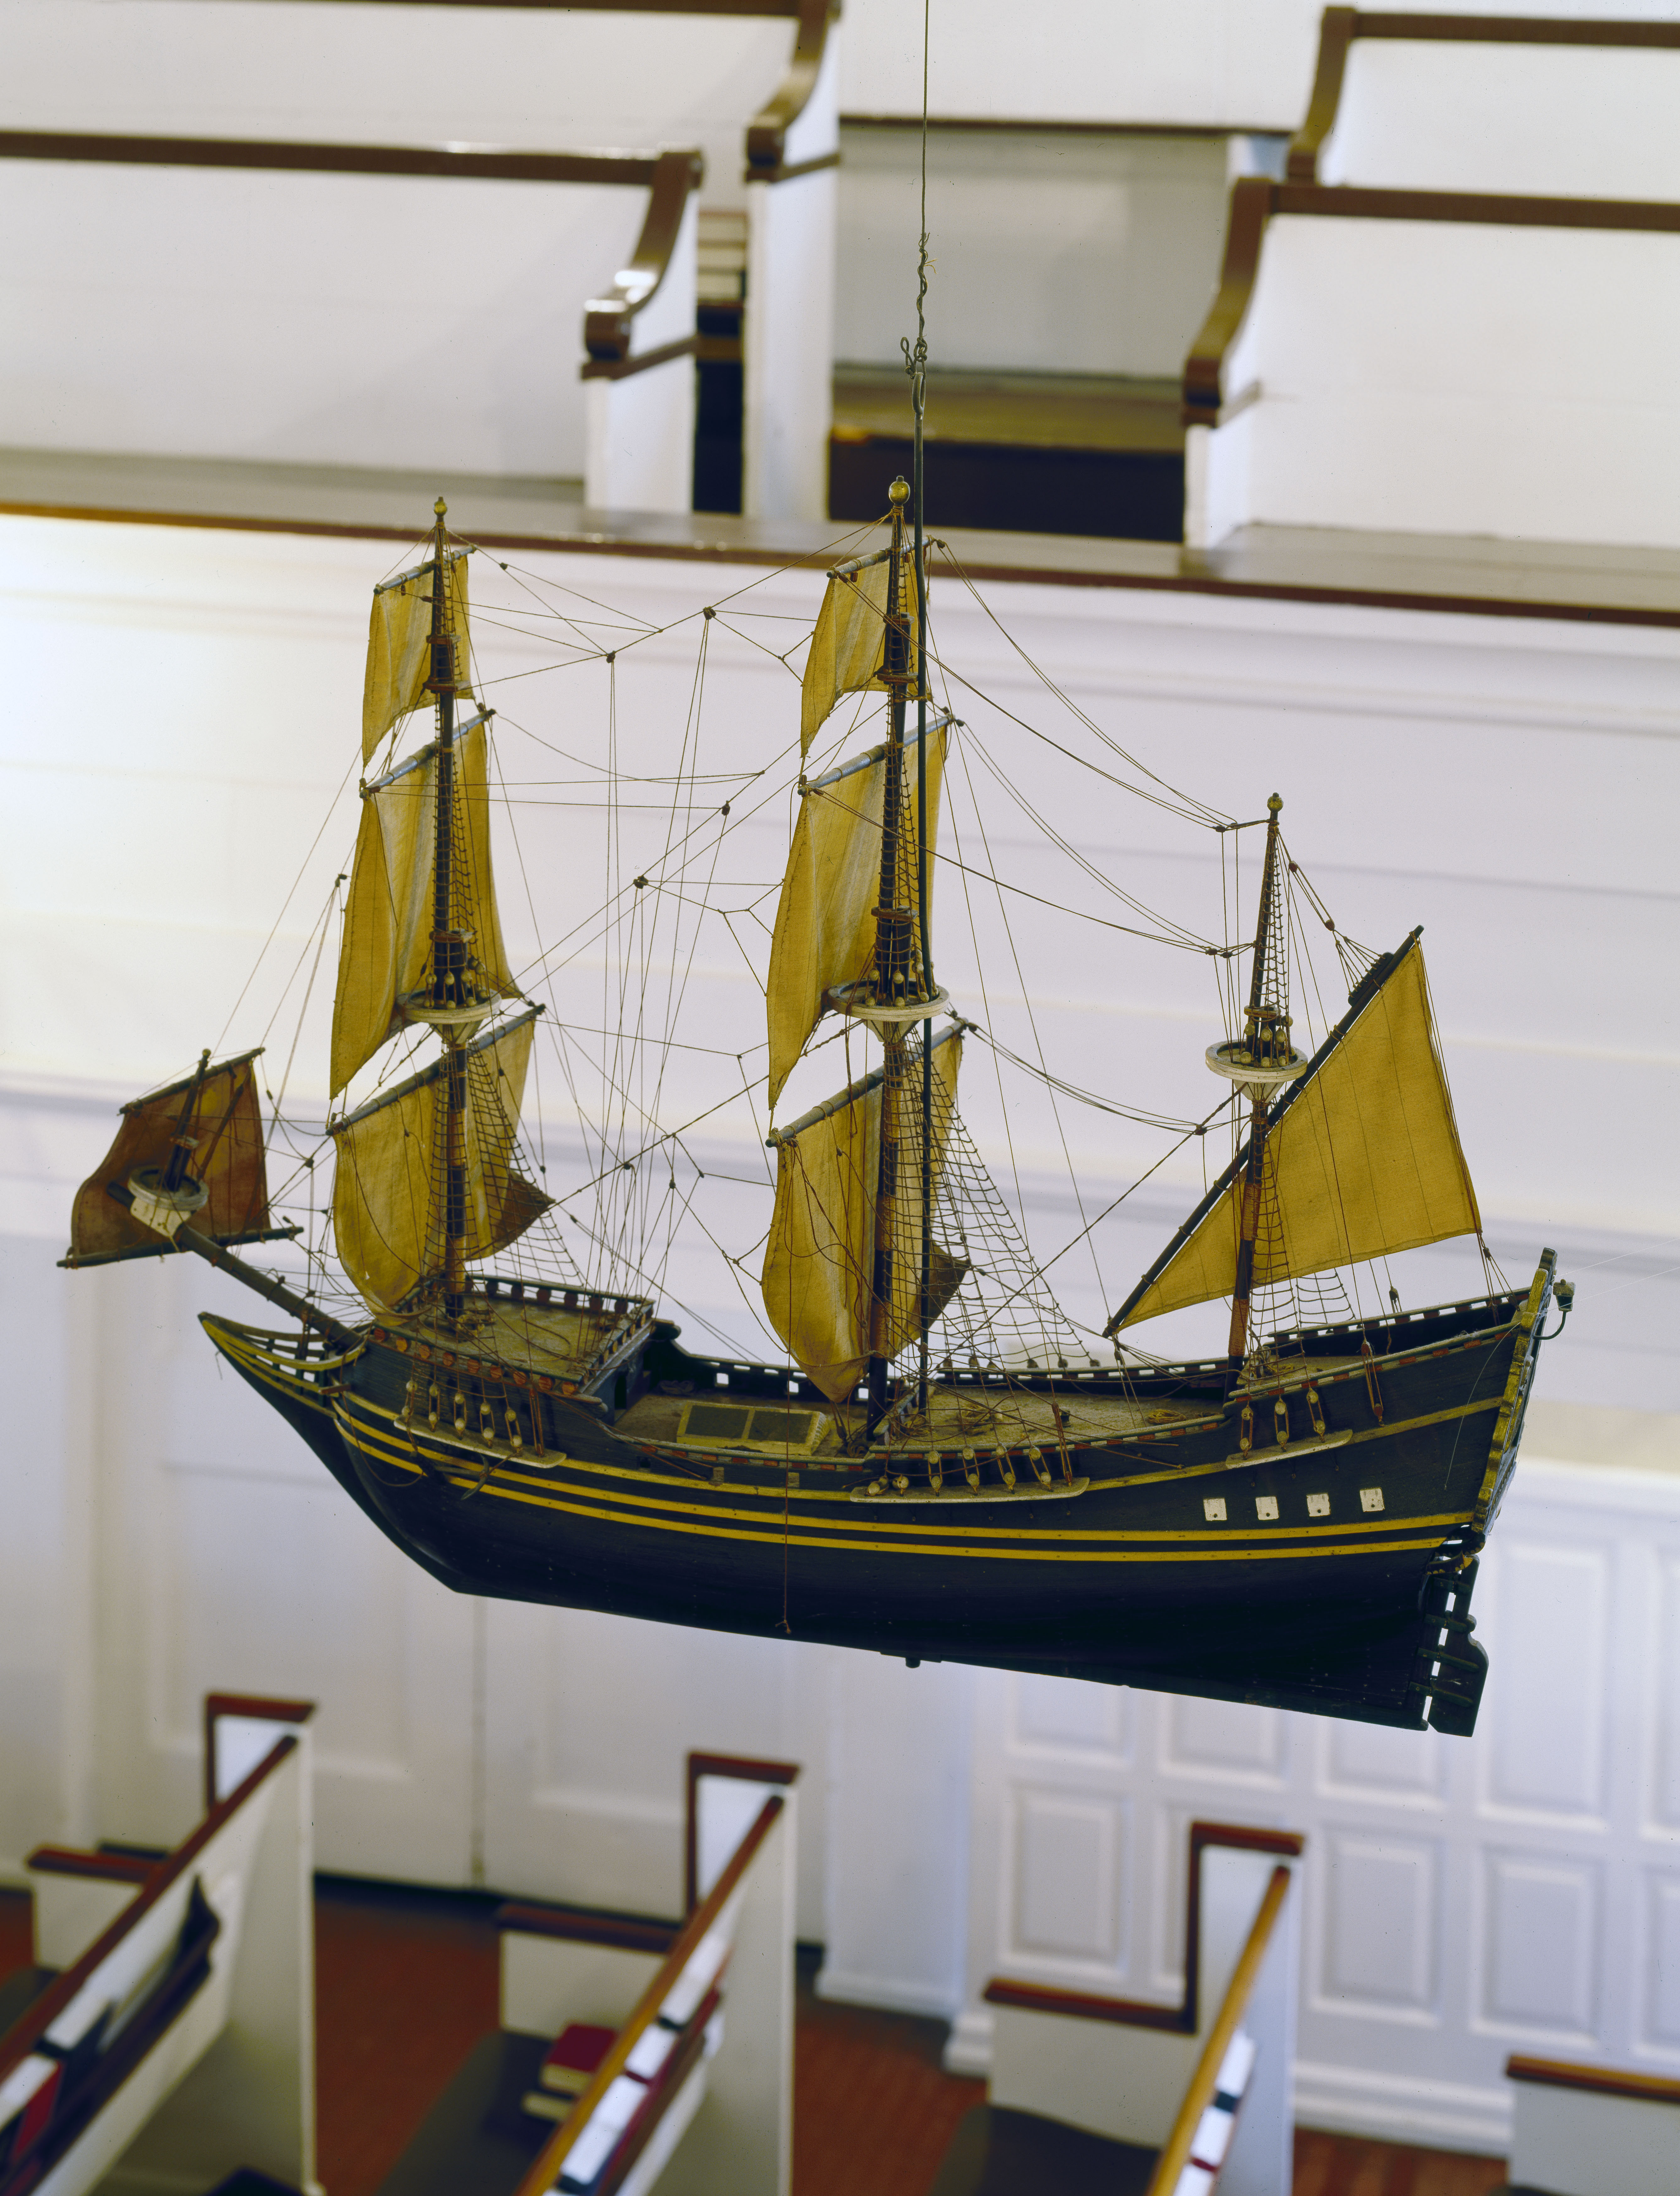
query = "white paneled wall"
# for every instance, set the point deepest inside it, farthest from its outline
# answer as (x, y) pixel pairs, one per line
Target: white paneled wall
(1519, 1890)
(182, 706)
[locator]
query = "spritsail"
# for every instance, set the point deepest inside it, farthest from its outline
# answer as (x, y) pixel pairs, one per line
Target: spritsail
(820, 1260)
(209, 1126)
(1362, 1158)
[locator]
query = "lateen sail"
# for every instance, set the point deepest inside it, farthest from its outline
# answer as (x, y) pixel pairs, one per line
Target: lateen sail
(386, 949)
(825, 929)
(226, 1157)
(850, 639)
(388, 1192)
(1362, 1159)
(398, 631)
(820, 1256)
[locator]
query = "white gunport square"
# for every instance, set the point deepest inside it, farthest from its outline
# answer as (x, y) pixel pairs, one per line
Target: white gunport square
(1317, 1505)
(1265, 1507)
(1213, 1509)
(1370, 1498)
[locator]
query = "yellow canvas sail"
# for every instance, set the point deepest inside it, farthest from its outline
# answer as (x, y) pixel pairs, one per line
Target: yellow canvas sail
(397, 632)
(1363, 1157)
(825, 930)
(386, 949)
(388, 1192)
(819, 1260)
(850, 639)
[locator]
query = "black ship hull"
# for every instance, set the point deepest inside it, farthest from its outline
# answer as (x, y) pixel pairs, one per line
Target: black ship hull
(1307, 1542)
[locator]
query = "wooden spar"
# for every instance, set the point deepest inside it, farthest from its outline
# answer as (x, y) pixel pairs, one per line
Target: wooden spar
(925, 1288)
(448, 949)
(175, 1173)
(891, 970)
(1257, 1034)
(188, 1238)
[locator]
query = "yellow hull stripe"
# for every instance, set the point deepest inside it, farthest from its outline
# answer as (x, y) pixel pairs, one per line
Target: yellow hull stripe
(1208, 1548)
(505, 1481)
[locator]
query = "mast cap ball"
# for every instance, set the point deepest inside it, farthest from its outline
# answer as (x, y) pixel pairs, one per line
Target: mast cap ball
(1275, 803)
(440, 506)
(900, 491)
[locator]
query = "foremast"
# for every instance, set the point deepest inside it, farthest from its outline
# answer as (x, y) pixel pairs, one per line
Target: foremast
(450, 945)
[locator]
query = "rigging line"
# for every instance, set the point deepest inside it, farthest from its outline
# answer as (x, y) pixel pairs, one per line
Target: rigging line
(303, 955)
(1032, 1021)
(665, 1137)
(1073, 709)
(1084, 762)
(690, 733)
(603, 913)
(1167, 1123)
(1080, 860)
(286, 902)
(753, 642)
(1187, 945)
(727, 917)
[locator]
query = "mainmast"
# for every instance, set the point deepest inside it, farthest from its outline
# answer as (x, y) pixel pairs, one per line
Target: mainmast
(450, 946)
(1259, 1063)
(893, 977)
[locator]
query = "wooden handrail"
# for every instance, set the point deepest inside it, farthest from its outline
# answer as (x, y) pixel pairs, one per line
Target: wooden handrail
(624, 1933)
(478, 164)
(543, 2173)
(1600, 2081)
(608, 321)
(1163, 2182)
(21, 2037)
(1338, 27)
(750, 1771)
(767, 131)
(1180, 2020)
(97, 1867)
(1254, 199)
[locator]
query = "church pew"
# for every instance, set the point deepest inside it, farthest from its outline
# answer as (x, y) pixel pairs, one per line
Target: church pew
(1440, 362)
(1148, 2099)
(705, 2005)
(176, 2046)
(1591, 2130)
(392, 363)
(1560, 105)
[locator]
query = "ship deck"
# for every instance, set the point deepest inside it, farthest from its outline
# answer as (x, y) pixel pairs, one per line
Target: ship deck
(554, 1338)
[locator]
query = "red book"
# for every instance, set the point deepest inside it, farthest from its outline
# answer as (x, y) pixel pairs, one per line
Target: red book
(570, 2063)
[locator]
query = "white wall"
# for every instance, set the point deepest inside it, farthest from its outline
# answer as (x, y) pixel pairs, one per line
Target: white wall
(1053, 253)
(1516, 1892)
(183, 706)
(1230, 64)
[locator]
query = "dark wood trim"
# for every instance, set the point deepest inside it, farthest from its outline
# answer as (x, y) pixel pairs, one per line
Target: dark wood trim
(494, 163)
(1336, 35)
(255, 1706)
(791, 175)
(1081, 2005)
(1245, 220)
(1254, 199)
(543, 2175)
(767, 131)
(1194, 572)
(608, 321)
(771, 8)
(1009, 125)
(105, 1867)
(621, 369)
(1600, 2081)
(1339, 26)
(21, 2037)
(1182, 2019)
(625, 1933)
(749, 1771)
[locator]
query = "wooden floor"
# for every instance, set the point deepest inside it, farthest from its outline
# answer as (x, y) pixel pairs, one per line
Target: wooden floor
(406, 1984)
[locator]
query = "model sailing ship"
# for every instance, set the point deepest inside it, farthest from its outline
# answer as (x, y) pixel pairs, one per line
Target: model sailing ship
(938, 1470)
